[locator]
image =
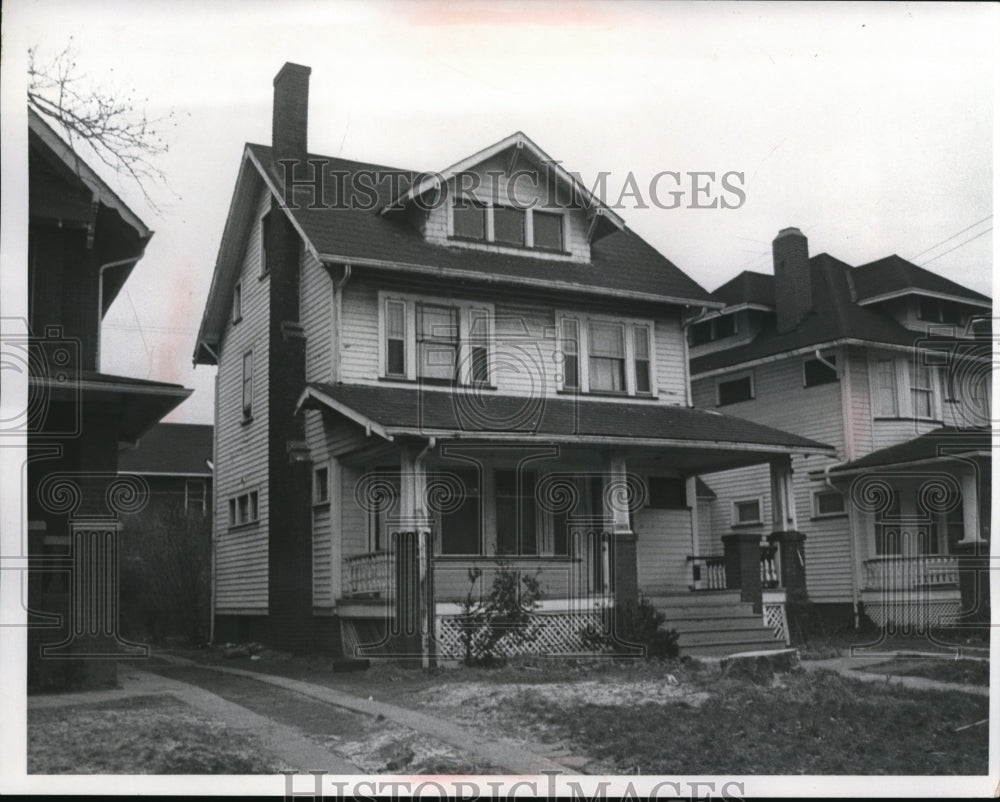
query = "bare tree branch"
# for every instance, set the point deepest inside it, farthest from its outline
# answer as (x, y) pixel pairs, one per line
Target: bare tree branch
(121, 135)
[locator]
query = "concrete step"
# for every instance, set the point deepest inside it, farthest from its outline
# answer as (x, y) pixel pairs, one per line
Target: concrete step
(717, 624)
(762, 634)
(726, 649)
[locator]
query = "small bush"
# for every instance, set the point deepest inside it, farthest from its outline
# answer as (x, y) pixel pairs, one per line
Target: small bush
(636, 623)
(504, 614)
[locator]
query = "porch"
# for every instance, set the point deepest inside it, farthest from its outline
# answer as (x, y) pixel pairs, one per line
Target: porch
(599, 512)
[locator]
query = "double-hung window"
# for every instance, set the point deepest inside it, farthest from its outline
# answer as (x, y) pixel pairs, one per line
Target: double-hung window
(885, 388)
(607, 357)
(424, 338)
(921, 390)
(244, 509)
(247, 385)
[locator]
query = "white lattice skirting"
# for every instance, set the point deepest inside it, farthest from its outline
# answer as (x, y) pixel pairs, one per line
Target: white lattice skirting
(776, 618)
(559, 634)
(938, 613)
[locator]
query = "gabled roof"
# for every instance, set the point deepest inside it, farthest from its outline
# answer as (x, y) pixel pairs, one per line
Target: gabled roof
(469, 414)
(835, 317)
(175, 449)
(943, 443)
(517, 142)
(622, 265)
(893, 276)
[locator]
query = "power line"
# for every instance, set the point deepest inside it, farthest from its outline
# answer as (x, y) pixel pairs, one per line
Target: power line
(966, 242)
(942, 242)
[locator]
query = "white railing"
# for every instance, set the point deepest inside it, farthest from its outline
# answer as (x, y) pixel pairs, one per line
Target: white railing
(370, 575)
(708, 573)
(906, 573)
(770, 573)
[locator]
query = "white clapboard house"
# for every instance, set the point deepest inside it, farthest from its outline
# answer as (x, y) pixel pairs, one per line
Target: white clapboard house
(891, 364)
(422, 376)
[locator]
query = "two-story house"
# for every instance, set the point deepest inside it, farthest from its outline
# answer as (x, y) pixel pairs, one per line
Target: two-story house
(175, 460)
(891, 364)
(423, 374)
(83, 242)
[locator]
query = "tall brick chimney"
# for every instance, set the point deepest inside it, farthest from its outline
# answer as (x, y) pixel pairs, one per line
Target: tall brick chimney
(290, 115)
(792, 280)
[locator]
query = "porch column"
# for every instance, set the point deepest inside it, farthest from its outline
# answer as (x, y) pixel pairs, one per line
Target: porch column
(973, 554)
(791, 545)
(616, 510)
(413, 595)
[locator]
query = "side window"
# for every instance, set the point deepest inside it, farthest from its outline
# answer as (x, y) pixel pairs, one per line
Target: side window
(732, 391)
(247, 391)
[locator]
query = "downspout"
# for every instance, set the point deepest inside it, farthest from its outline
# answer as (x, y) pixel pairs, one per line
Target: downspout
(685, 322)
(849, 451)
(338, 286)
(215, 520)
(100, 296)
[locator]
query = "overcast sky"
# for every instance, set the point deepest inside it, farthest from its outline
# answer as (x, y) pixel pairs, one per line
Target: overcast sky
(870, 127)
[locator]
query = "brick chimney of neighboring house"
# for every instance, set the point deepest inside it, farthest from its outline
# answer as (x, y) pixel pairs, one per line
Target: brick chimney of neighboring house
(290, 115)
(792, 280)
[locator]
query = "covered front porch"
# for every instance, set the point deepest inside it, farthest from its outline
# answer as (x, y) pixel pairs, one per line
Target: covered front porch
(596, 517)
(920, 519)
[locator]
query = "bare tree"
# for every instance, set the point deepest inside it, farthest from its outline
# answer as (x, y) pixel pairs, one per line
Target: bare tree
(118, 131)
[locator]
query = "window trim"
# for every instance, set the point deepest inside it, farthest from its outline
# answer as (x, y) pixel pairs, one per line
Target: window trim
(734, 377)
(246, 403)
(253, 509)
(628, 324)
(264, 267)
(321, 498)
(817, 514)
(735, 522)
(466, 311)
(237, 302)
(810, 359)
(489, 225)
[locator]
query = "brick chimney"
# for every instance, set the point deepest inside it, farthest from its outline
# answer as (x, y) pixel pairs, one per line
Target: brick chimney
(792, 280)
(290, 115)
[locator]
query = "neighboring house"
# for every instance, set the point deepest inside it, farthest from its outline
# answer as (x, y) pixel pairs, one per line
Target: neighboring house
(83, 242)
(891, 364)
(175, 460)
(488, 381)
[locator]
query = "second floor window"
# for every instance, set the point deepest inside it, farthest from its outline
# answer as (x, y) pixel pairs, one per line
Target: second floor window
(265, 244)
(237, 302)
(607, 357)
(422, 338)
(437, 341)
(885, 388)
(815, 372)
(732, 391)
(921, 391)
(244, 509)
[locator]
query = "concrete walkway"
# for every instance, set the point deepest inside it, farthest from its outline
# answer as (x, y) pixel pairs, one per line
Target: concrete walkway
(286, 744)
(847, 667)
(512, 757)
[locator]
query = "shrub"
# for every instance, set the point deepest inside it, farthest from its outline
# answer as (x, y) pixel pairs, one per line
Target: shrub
(636, 623)
(504, 614)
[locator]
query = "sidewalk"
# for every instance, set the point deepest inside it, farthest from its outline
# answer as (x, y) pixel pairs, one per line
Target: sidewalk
(285, 743)
(848, 667)
(512, 757)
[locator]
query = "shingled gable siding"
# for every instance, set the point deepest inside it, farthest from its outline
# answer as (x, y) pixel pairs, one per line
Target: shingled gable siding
(526, 347)
(241, 557)
(526, 190)
(814, 412)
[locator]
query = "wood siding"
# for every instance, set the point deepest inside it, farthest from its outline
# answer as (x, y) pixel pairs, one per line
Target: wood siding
(241, 555)
(663, 541)
(781, 401)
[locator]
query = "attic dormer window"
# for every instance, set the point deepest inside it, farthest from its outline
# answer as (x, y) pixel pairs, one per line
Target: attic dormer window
(937, 310)
(511, 226)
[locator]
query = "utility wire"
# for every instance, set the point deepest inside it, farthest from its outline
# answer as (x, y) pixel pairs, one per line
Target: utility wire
(966, 242)
(942, 242)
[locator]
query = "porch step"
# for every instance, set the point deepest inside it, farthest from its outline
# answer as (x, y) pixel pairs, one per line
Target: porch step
(716, 624)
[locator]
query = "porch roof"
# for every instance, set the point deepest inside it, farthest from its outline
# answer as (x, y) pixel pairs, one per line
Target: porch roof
(942, 443)
(470, 413)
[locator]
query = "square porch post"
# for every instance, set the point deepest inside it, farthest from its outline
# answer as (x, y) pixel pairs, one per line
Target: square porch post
(625, 570)
(414, 597)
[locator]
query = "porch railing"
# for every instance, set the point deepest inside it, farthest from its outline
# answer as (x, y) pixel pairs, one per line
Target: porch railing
(370, 575)
(892, 572)
(709, 573)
